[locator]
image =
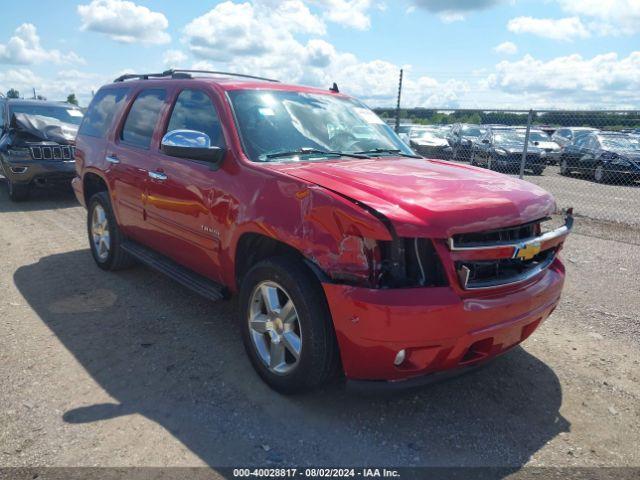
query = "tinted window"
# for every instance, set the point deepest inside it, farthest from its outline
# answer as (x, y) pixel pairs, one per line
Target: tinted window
(104, 106)
(194, 111)
(143, 117)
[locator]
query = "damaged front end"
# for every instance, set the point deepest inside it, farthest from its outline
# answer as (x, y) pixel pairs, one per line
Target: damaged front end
(38, 150)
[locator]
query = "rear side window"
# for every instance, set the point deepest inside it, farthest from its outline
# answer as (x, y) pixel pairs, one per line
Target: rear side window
(104, 106)
(194, 111)
(143, 117)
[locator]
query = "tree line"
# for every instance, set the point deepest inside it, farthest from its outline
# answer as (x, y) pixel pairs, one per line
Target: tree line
(13, 93)
(599, 119)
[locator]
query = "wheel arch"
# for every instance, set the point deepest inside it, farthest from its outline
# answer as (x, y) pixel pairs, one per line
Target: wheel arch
(93, 183)
(253, 247)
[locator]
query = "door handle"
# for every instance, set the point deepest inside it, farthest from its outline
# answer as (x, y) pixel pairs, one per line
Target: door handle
(112, 159)
(158, 176)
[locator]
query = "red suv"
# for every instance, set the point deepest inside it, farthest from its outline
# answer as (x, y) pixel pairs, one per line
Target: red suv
(347, 250)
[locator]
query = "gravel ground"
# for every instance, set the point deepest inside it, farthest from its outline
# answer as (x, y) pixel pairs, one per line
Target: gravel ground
(618, 203)
(129, 368)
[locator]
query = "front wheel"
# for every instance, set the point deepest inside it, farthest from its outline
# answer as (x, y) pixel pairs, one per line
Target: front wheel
(105, 238)
(600, 175)
(286, 325)
(18, 192)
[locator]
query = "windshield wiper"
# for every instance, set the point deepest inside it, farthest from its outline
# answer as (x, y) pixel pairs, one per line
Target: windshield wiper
(313, 151)
(387, 150)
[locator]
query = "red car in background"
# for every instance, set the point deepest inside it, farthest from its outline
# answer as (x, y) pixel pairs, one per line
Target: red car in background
(346, 250)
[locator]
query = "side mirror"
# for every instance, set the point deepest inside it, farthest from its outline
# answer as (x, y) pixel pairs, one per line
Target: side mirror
(536, 143)
(193, 145)
(485, 140)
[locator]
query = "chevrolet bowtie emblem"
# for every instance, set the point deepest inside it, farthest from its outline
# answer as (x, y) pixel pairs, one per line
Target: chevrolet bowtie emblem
(527, 251)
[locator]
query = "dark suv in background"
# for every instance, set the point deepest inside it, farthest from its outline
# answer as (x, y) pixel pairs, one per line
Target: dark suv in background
(37, 141)
(462, 137)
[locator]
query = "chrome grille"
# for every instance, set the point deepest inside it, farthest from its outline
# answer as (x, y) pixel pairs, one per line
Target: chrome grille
(53, 152)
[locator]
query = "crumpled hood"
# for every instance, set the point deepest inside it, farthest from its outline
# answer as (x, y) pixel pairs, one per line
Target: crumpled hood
(44, 128)
(429, 198)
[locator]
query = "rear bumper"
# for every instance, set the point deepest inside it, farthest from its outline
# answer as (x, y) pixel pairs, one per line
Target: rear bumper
(439, 330)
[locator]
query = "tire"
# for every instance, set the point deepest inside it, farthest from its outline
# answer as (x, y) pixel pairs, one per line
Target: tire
(318, 356)
(600, 175)
(18, 192)
(114, 257)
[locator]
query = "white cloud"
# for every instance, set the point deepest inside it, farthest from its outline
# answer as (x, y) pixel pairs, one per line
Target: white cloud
(450, 17)
(557, 29)
(455, 10)
(56, 87)
(609, 17)
(174, 58)
(243, 29)
(350, 13)
(604, 80)
(124, 21)
(506, 48)
(24, 48)
(251, 38)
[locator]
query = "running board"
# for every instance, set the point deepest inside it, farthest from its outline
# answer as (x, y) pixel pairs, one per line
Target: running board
(197, 283)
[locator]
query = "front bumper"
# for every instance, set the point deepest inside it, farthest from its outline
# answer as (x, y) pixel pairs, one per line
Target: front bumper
(439, 330)
(27, 172)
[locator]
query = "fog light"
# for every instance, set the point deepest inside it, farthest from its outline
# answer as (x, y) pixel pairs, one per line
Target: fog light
(400, 356)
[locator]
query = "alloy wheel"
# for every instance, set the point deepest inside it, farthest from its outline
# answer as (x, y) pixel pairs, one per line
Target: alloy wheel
(274, 327)
(100, 233)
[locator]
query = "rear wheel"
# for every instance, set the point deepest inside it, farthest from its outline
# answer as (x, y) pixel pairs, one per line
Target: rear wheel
(105, 237)
(18, 192)
(286, 326)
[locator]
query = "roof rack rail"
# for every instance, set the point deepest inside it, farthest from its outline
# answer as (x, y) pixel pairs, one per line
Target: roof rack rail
(180, 73)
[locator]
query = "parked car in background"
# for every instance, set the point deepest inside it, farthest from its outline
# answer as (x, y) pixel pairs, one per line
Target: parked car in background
(564, 137)
(501, 148)
(37, 144)
(550, 148)
(346, 250)
(605, 156)
(430, 142)
(462, 137)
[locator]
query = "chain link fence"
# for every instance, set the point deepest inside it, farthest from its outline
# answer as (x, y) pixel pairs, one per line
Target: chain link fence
(589, 160)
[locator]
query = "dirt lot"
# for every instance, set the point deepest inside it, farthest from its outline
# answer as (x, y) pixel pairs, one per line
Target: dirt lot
(117, 369)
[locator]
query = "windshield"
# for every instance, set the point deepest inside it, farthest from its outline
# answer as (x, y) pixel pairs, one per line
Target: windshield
(272, 122)
(60, 113)
(469, 131)
(539, 137)
(622, 143)
(432, 133)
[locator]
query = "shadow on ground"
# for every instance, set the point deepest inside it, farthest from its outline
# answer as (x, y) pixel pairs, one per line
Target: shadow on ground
(40, 198)
(164, 353)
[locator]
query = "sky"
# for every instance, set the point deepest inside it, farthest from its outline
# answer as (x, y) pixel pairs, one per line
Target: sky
(521, 54)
